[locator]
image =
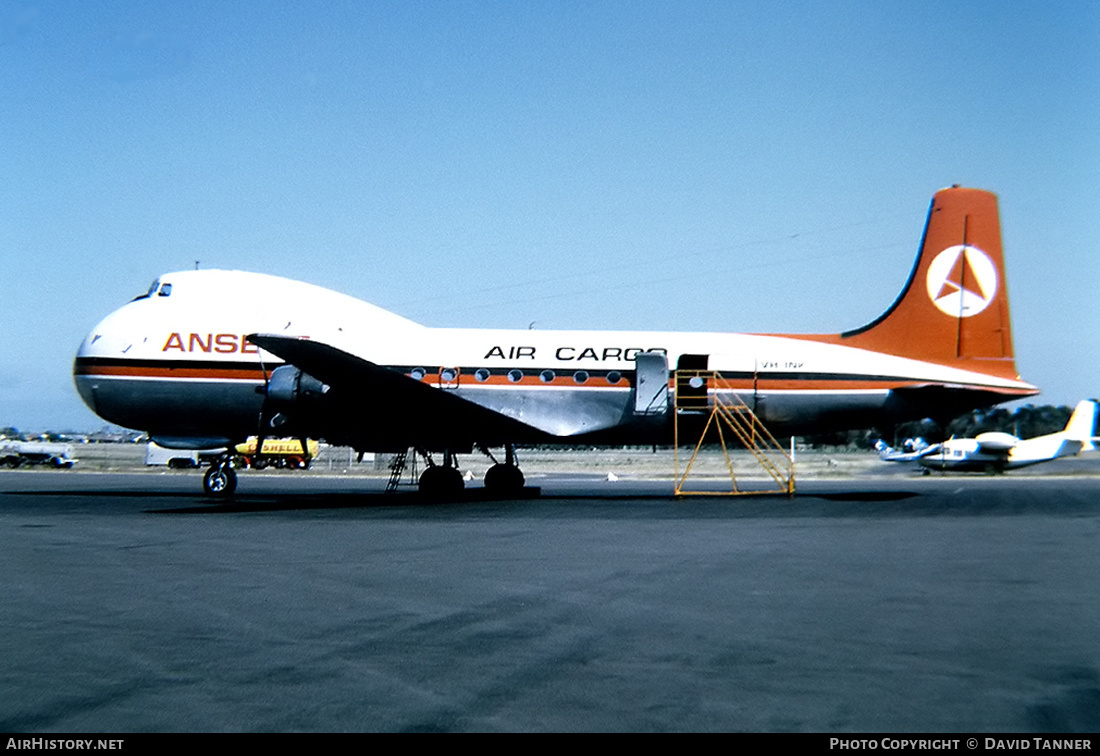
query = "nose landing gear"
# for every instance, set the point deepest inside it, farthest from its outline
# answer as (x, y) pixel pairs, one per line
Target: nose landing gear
(220, 480)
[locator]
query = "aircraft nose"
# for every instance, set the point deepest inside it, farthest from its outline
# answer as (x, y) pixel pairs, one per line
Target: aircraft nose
(82, 378)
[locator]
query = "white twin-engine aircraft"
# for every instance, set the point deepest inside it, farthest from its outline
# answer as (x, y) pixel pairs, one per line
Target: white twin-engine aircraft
(208, 358)
(997, 451)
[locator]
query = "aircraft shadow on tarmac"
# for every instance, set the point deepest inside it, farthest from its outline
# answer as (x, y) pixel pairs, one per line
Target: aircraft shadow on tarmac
(1048, 499)
(745, 507)
(825, 505)
(531, 498)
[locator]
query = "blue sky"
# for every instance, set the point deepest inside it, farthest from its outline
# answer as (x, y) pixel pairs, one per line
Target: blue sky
(732, 166)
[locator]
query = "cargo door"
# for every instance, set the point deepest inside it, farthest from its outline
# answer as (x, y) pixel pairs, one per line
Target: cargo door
(650, 383)
(692, 382)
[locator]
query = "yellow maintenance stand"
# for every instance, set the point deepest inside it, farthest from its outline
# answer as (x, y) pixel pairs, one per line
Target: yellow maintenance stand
(707, 408)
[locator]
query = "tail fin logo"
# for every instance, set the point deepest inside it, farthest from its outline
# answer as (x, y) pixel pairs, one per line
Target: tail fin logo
(962, 281)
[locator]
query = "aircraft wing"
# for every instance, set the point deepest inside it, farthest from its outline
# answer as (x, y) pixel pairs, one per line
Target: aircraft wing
(996, 442)
(367, 401)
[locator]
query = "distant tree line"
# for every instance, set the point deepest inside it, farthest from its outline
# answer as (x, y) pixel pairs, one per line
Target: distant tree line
(8, 433)
(1027, 421)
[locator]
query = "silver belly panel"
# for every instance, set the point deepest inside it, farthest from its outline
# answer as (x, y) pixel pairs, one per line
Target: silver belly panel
(178, 408)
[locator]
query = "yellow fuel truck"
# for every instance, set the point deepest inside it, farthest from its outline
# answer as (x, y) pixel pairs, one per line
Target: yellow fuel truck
(277, 452)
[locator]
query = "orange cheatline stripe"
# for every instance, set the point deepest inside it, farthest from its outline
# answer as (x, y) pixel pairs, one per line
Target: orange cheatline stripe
(151, 372)
(527, 381)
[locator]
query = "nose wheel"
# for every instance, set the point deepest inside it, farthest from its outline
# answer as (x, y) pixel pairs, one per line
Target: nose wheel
(220, 480)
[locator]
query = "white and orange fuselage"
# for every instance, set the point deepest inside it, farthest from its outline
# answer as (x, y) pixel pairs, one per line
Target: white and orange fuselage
(178, 362)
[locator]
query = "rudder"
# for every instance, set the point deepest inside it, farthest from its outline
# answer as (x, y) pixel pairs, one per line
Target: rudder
(1082, 423)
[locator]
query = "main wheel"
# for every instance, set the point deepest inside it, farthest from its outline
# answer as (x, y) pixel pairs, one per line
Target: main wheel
(220, 481)
(503, 478)
(440, 482)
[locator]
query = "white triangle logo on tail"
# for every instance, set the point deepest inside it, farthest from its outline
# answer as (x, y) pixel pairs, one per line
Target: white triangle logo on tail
(962, 281)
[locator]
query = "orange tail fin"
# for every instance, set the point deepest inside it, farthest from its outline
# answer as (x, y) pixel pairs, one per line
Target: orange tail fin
(954, 308)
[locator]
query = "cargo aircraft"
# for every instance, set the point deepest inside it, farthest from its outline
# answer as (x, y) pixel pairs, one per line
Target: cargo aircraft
(997, 451)
(207, 358)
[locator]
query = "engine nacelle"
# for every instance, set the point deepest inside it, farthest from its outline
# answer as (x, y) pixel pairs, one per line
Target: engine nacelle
(289, 385)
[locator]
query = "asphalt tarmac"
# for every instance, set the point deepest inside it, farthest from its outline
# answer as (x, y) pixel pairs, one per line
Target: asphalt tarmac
(889, 603)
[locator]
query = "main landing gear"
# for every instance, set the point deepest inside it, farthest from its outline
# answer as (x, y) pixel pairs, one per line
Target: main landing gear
(504, 477)
(443, 481)
(220, 480)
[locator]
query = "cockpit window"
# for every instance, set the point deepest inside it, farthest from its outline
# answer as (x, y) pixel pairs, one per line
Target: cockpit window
(165, 290)
(152, 290)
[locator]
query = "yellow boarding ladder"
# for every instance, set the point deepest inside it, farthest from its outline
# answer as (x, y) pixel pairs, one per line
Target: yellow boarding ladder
(703, 393)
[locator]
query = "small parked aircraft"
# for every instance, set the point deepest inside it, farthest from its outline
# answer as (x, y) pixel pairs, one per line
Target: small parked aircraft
(997, 451)
(911, 449)
(207, 358)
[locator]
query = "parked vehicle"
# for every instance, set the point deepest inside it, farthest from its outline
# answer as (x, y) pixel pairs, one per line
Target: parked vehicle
(179, 459)
(277, 452)
(17, 453)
